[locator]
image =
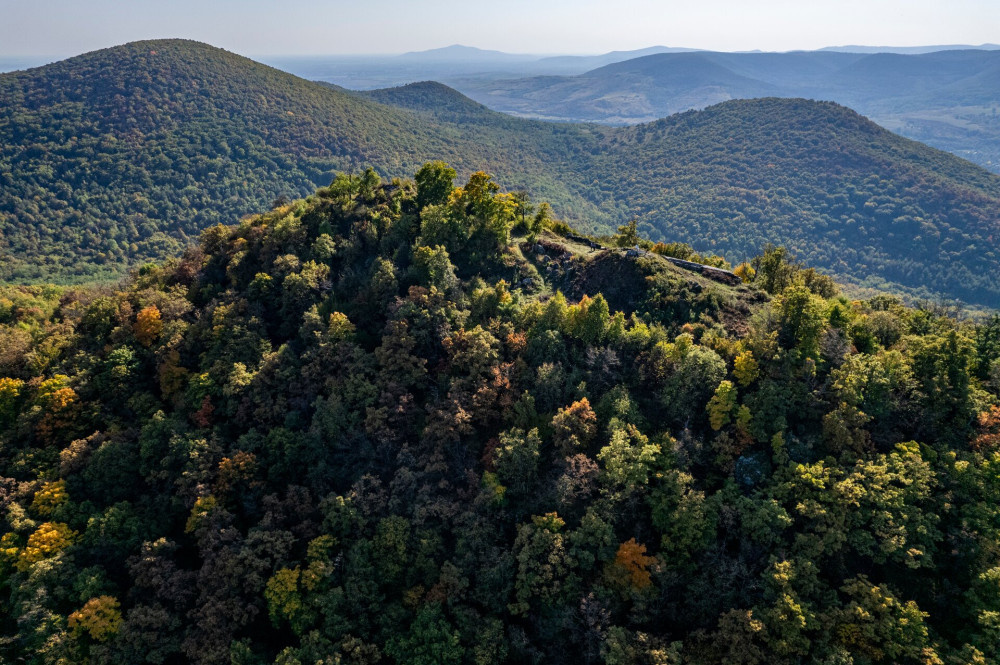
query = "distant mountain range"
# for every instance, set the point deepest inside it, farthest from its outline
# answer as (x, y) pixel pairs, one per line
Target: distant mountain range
(878, 80)
(911, 50)
(126, 154)
(947, 98)
(450, 63)
(460, 53)
(586, 62)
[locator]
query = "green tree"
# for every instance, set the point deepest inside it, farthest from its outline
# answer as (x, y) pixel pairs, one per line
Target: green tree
(772, 270)
(628, 235)
(516, 460)
(432, 267)
(800, 318)
(627, 459)
(941, 368)
(435, 181)
(721, 406)
(430, 640)
(542, 563)
(878, 626)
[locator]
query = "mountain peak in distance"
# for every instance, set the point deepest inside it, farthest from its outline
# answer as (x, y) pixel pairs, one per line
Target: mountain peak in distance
(463, 53)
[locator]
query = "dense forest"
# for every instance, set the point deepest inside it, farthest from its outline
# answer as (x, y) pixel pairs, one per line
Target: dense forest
(408, 422)
(125, 155)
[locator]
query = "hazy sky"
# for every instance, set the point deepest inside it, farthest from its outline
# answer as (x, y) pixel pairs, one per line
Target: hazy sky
(268, 27)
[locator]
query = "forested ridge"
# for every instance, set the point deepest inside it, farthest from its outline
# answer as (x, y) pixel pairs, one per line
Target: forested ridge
(126, 154)
(408, 422)
(824, 182)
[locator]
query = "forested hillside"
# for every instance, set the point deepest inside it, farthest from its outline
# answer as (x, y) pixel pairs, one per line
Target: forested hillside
(369, 427)
(126, 154)
(838, 190)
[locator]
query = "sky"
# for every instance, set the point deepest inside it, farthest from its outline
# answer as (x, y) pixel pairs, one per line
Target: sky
(320, 27)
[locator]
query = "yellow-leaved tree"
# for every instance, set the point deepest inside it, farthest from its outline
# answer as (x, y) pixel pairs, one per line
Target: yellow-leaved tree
(148, 325)
(99, 617)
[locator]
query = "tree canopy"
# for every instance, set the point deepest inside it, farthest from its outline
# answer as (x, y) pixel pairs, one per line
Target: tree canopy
(366, 427)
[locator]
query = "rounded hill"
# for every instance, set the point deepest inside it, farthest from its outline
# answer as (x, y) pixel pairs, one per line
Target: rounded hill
(122, 155)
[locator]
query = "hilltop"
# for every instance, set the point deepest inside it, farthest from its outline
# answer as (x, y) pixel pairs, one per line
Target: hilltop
(436, 99)
(416, 423)
(130, 152)
(123, 155)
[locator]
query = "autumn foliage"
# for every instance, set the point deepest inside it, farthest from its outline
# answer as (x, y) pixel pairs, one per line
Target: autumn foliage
(633, 566)
(380, 426)
(100, 618)
(574, 426)
(988, 439)
(49, 539)
(148, 325)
